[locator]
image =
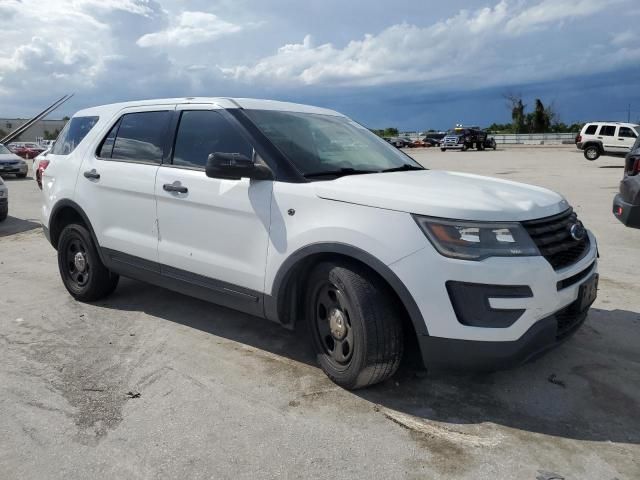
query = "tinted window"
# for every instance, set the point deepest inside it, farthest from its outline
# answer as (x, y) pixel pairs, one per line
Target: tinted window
(627, 132)
(323, 143)
(106, 148)
(203, 132)
(72, 134)
(591, 130)
(141, 137)
(608, 130)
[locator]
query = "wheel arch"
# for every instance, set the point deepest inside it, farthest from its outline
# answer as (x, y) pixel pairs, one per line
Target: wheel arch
(593, 143)
(283, 305)
(64, 213)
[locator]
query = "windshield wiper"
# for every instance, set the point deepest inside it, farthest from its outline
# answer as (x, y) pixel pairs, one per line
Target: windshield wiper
(339, 173)
(405, 167)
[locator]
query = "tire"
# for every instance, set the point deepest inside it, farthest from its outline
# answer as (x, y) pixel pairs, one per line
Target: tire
(592, 152)
(465, 147)
(85, 278)
(480, 146)
(366, 344)
(443, 149)
(4, 214)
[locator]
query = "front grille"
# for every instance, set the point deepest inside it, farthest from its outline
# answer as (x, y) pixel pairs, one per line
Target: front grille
(553, 238)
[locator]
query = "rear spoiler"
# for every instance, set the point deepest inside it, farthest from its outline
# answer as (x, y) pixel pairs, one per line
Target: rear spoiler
(23, 128)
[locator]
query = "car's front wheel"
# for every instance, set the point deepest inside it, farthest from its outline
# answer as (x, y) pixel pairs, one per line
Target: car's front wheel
(355, 324)
(84, 275)
(592, 152)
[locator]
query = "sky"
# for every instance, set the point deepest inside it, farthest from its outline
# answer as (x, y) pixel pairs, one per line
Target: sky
(410, 64)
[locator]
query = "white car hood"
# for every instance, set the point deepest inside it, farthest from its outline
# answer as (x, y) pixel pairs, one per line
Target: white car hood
(445, 194)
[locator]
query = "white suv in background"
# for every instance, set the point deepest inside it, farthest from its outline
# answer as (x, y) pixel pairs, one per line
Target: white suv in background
(299, 214)
(607, 138)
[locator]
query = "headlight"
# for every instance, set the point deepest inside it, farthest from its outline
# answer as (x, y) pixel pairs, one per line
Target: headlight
(468, 240)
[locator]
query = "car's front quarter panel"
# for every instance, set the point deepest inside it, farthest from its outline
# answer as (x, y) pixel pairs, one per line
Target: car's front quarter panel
(300, 219)
(425, 274)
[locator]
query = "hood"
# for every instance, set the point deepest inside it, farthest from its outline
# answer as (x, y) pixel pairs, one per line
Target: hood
(445, 194)
(9, 157)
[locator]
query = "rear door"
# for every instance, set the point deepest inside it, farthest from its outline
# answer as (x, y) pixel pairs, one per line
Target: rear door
(213, 232)
(117, 181)
(608, 136)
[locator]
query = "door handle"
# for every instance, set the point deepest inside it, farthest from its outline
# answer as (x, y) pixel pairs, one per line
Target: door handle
(174, 187)
(92, 174)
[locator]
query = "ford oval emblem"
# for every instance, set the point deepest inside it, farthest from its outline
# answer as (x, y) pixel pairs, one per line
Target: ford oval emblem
(577, 231)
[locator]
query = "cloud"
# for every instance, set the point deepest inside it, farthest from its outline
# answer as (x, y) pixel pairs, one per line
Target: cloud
(191, 28)
(553, 11)
(484, 47)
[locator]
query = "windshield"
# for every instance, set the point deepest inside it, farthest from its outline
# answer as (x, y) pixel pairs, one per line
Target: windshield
(4, 150)
(326, 143)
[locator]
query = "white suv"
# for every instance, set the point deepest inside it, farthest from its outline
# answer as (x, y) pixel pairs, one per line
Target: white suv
(606, 138)
(299, 214)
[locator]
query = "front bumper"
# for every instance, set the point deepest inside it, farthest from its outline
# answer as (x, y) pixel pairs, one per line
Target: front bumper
(549, 297)
(627, 213)
(20, 169)
(468, 355)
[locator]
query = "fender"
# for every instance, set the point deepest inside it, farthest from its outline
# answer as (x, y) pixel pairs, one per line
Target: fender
(66, 203)
(275, 302)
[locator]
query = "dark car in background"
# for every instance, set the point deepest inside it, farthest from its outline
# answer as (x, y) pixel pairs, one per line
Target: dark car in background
(626, 204)
(464, 138)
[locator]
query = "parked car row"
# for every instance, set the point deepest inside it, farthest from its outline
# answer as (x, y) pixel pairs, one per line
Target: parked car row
(27, 150)
(461, 138)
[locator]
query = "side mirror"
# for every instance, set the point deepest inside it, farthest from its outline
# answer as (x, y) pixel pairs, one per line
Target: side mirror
(234, 166)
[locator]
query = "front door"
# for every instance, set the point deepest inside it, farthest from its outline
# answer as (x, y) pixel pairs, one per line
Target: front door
(626, 139)
(213, 232)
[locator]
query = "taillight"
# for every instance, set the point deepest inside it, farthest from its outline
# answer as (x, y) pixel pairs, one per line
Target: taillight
(578, 138)
(41, 168)
(633, 166)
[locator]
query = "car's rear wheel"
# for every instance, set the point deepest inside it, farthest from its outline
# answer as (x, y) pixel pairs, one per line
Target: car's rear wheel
(355, 324)
(84, 275)
(443, 149)
(592, 152)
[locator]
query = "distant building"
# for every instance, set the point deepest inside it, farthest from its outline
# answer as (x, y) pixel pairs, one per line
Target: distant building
(41, 130)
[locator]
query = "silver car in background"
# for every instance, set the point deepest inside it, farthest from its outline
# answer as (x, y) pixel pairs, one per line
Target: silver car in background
(4, 200)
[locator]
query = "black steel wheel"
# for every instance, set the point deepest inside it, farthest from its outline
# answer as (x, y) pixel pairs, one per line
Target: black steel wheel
(355, 324)
(83, 273)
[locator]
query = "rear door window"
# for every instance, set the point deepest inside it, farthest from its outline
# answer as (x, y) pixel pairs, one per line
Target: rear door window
(591, 130)
(72, 134)
(608, 130)
(140, 137)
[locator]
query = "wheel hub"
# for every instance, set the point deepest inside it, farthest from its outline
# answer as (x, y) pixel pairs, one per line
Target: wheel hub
(80, 261)
(337, 324)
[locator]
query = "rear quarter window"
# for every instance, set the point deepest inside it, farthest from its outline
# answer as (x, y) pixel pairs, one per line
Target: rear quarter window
(72, 134)
(591, 130)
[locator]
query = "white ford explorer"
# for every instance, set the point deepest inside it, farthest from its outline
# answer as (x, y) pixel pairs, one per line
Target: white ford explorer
(299, 214)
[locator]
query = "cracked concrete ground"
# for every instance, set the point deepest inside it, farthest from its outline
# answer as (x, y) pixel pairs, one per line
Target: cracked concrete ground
(226, 395)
